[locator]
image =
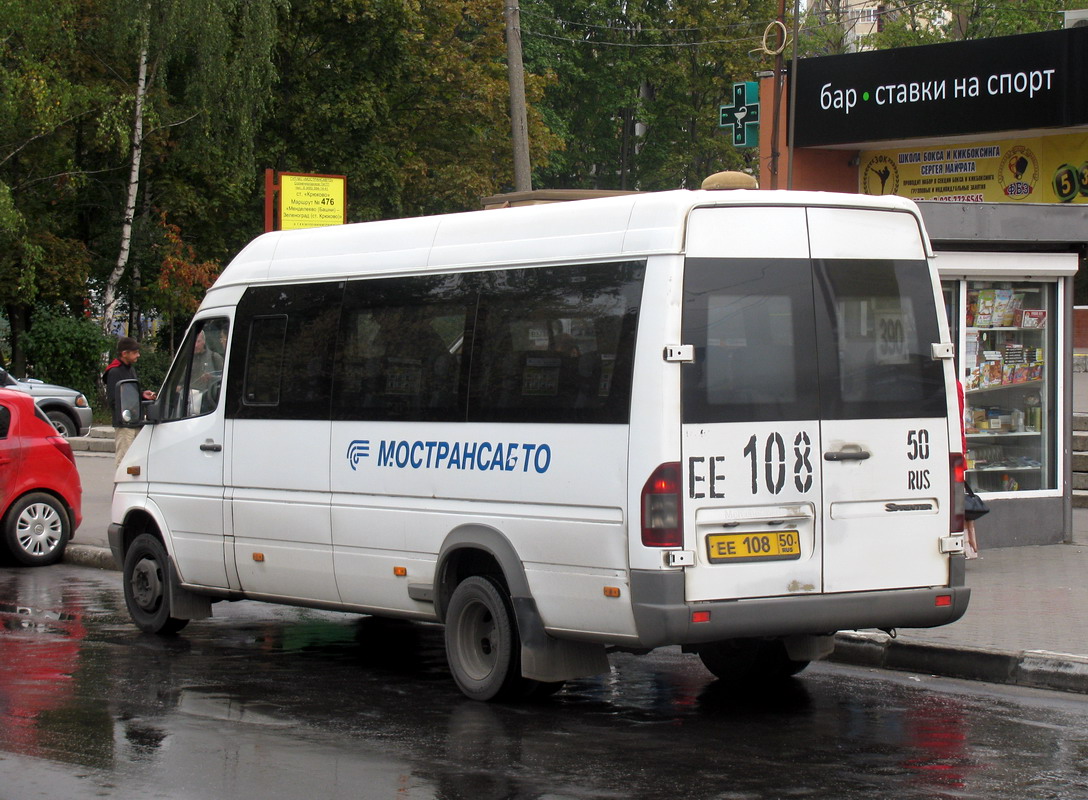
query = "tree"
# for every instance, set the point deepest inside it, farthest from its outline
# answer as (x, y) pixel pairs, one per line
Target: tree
(407, 100)
(182, 280)
(830, 28)
(639, 86)
(66, 350)
(42, 258)
(714, 46)
(198, 63)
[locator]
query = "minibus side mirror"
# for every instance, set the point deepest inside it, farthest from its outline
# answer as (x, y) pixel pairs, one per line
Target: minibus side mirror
(128, 396)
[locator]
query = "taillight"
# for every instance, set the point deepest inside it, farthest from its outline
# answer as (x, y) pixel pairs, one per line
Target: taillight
(662, 520)
(956, 467)
(61, 444)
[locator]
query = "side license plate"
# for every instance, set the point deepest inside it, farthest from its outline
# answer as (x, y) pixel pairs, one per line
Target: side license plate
(774, 546)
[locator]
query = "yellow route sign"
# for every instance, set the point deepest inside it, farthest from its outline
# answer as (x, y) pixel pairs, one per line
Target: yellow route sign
(311, 201)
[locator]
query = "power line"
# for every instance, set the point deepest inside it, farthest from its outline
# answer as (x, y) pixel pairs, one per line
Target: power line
(635, 28)
(603, 43)
(826, 20)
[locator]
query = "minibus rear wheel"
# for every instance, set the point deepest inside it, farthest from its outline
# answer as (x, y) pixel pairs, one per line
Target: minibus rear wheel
(146, 583)
(749, 659)
(482, 643)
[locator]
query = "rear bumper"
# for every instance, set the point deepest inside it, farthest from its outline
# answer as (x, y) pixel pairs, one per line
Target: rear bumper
(663, 617)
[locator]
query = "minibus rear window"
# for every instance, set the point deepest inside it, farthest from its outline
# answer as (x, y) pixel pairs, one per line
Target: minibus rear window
(790, 339)
(752, 326)
(876, 340)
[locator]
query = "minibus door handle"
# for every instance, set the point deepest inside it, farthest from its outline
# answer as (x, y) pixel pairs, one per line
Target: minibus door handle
(850, 452)
(211, 447)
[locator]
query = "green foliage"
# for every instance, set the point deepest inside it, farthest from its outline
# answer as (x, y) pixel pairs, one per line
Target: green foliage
(407, 99)
(152, 367)
(830, 29)
(638, 87)
(66, 350)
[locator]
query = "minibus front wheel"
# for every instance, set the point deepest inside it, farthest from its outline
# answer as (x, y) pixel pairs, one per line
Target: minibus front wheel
(146, 583)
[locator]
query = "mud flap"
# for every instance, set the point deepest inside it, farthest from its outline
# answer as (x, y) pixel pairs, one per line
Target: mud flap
(547, 659)
(185, 604)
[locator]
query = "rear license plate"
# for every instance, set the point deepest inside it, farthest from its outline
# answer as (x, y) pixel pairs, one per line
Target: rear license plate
(776, 546)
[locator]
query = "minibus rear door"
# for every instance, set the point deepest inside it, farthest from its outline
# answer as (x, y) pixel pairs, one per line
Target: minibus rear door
(750, 409)
(884, 404)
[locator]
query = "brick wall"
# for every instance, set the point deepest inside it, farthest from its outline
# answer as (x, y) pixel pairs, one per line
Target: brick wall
(1080, 328)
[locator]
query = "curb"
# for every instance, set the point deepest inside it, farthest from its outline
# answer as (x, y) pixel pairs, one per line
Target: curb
(1038, 669)
(86, 555)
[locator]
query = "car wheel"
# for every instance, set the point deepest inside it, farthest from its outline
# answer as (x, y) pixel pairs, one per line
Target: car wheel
(145, 580)
(37, 529)
(63, 423)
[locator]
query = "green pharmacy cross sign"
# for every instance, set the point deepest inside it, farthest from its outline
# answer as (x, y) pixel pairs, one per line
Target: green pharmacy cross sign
(743, 115)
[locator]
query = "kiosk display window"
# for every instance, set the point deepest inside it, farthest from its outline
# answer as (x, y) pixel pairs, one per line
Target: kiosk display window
(1007, 365)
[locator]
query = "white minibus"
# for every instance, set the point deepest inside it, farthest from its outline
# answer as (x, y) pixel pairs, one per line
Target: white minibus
(725, 420)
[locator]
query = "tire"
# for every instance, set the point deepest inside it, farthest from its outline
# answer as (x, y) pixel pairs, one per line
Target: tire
(64, 424)
(36, 529)
(145, 580)
(747, 660)
(482, 643)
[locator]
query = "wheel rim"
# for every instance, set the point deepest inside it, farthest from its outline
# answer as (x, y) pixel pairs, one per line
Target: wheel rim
(479, 640)
(63, 426)
(39, 529)
(146, 583)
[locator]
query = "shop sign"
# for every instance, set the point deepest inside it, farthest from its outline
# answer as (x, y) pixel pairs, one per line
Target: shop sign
(1011, 83)
(1047, 169)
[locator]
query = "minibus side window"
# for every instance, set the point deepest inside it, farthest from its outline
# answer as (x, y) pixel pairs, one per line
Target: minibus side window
(283, 352)
(264, 361)
(555, 344)
(194, 384)
(401, 350)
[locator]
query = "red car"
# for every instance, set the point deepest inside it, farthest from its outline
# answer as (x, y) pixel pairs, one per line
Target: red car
(40, 492)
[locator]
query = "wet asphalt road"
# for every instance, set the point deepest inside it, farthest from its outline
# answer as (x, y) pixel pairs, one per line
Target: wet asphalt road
(273, 702)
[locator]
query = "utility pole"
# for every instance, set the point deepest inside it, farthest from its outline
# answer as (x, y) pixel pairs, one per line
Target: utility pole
(519, 124)
(793, 94)
(779, 76)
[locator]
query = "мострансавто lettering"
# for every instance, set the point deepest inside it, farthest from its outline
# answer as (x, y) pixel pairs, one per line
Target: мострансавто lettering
(482, 456)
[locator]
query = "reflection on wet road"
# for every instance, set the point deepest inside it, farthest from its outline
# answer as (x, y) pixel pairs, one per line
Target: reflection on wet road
(266, 702)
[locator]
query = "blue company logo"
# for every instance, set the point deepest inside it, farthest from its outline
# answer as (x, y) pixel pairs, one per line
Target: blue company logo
(358, 450)
(481, 456)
